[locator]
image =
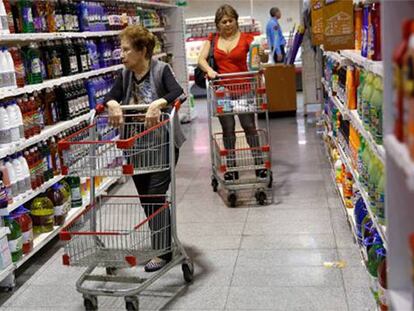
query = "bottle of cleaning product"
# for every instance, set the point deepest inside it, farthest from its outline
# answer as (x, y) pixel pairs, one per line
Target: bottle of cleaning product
(33, 65)
(20, 178)
(5, 132)
(25, 170)
(253, 56)
(358, 26)
(375, 47)
(42, 213)
(26, 14)
(10, 68)
(376, 111)
(365, 30)
(21, 215)
(14, 238)
(6, 75)
(14, 191)
(19, 118)
(18, 66)
(366, 97)
(10, 22)
(14, 123)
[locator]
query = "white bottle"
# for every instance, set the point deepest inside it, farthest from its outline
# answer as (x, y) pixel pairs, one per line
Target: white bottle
(19, 116)
(12, 176)
(26, 171)
(5, 135)
(4, 25)
(11, 69)
(3, 70)
(14, 123)
(18, 170)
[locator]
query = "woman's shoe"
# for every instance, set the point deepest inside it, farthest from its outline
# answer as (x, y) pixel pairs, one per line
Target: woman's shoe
(229, 176)
(155, 264)
(262, 173)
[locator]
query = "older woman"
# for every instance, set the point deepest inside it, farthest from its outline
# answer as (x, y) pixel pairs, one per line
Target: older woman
(231, 47)
(147, 81)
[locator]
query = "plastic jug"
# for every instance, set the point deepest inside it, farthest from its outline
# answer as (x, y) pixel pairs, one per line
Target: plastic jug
(4, 25)
(21, 215)
(14, 238)
(12, 176)
(18, 170)
(253, 56)
(5, 133)
(18, 66)
(58, 200)
(25, 171)
(5, 80)
(10, 67)
(42, 212)
(6, 181)
(14, 122)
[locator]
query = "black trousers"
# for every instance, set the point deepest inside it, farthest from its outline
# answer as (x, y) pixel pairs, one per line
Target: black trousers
(157, 184)
(282, 50)
(247, 121)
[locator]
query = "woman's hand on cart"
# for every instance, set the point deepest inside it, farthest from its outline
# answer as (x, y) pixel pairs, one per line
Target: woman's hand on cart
(153, 115)
(211, 74)
(116, 117)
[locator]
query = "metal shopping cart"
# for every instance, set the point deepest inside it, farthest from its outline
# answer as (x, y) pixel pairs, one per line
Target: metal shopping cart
(245, 155)
(117, 232)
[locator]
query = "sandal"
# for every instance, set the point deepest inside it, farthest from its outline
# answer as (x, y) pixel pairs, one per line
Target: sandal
(155, 264)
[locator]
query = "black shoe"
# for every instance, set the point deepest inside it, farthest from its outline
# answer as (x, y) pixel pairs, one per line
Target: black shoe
(262, 173)
(229, 176)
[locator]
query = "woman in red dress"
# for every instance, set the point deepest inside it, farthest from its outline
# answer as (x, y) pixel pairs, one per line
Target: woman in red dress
(231, 47)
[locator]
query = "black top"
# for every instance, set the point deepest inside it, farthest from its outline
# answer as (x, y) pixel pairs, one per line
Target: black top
(169, 82)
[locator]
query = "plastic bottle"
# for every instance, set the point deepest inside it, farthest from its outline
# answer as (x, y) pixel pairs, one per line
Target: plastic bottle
(18, 66)
(42, 213)
(366, 97)
(5, 73)
(10, 68)
(4, 25)
(74, 183)
(350, 88)
(14, 123)
(20, 178)
(25, 171)
(21, 215)
(57, 198)
(3, 195)
(375, 48)
(253, 56)
(19, 117)
(31, 163)
(9, 13)
(5, 132)
(338, 171)
(33, 64)
(358, 26)
(26, 16)
(365, 30)
(59, 21)
(51, 16)
(54, 156)
(375, 114)
(14, 238)
(6, 182)
(14, 191)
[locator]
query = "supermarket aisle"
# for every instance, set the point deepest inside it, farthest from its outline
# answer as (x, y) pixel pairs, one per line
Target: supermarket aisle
(259, 258)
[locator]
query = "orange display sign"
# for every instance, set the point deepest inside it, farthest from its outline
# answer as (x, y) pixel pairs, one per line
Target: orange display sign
(317, 21)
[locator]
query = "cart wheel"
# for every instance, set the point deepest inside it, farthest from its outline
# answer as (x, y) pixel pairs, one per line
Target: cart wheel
(90, 303)
(188, 271)
(261, 197)
(214, 183)
(270, 185)
(110, 270)
(132, 303)
(232, 198)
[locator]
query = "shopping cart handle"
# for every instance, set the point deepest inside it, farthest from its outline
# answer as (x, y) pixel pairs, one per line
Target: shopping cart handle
(99, 108)
(179, 101)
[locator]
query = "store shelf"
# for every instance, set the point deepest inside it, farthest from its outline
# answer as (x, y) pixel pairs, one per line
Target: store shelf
(42, 239)
(46, 133)
(370, 65)
(22, 37)
(11, 92)
(399, 153)
(151, 3)
(356, 121)
(6, 272)
(345, 159)
(401, 300)
(28, 195)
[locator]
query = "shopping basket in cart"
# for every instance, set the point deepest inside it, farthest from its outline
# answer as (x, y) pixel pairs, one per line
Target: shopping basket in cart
(237, 94)
(117, 232)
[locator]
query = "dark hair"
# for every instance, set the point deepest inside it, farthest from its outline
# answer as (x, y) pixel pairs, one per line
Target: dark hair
(274, 11)
(139, 37)
(224, 10)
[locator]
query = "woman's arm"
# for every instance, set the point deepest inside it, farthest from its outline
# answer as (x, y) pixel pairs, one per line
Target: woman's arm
(202, 60)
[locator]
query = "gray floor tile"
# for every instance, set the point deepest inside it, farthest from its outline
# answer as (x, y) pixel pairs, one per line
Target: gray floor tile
(268, 228)
(291, 257)
(344, 239)
(281, 276)
(286, 298)
(360, 299)
(288, 241)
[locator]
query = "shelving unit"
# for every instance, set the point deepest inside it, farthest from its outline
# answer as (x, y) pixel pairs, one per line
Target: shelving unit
(42, 239)
(174, 32)
(23, 37)
(353, 117)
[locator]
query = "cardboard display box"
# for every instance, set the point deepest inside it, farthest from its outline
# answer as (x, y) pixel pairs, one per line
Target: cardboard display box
(280, 87)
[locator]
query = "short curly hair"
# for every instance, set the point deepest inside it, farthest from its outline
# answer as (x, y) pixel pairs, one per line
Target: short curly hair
(226, 10)
(139, 37)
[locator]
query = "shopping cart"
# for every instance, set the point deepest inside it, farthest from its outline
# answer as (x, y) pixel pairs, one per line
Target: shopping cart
(116, 232)
(237, 94)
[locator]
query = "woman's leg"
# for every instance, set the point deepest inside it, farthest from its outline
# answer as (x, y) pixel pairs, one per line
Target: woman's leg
(229, 137)
(248, 124)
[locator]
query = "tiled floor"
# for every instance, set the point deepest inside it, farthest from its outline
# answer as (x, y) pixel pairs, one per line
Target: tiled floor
(248, 258)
